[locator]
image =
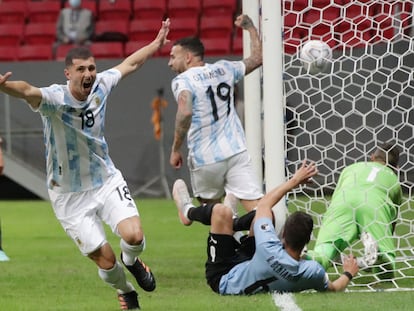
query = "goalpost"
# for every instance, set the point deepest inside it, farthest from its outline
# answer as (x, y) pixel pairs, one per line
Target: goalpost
(338, 117)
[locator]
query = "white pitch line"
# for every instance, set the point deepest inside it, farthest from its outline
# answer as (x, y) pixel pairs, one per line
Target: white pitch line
(285, 302)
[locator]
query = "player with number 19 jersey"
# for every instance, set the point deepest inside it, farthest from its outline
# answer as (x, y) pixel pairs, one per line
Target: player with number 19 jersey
(77, 156)
(216, 132)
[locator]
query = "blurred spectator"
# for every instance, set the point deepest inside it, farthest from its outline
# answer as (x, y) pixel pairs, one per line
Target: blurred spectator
(75, 25)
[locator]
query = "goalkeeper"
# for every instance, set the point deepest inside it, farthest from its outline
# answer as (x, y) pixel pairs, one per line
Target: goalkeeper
(364, 206)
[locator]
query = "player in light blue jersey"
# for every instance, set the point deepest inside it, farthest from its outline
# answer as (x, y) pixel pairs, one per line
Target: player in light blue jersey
(85, 188)
(263, 261)
(217, 155)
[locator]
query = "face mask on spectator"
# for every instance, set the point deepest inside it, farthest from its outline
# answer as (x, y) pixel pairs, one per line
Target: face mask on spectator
(75, 3)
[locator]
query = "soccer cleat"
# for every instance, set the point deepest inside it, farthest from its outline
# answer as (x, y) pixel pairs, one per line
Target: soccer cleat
(129, 301)
(182, 201)
(231, 201)
(370, 250)
(142, 274)
(3, 256)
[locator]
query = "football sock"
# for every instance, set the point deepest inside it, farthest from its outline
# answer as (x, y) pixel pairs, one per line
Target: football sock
(244, 222)
(116, 278)
(201, 214)
(131, 252)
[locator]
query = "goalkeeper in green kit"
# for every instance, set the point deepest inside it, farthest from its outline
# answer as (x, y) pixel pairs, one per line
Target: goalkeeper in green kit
(364, 206)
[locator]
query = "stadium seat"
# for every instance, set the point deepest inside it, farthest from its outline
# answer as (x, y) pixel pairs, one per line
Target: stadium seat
(105, 50)
(35, 52)
(13, 12)
(62, 50)
(219, 7)
(11, 34)
(43, 11)
(132, 46)
(237, 45)
(184, 27)
(211, 27)
(39, 33)
(116, 30)
(154, 9)
(114, 10)
(8, 53)
(183, 8)
(143, 29)
(217, 46)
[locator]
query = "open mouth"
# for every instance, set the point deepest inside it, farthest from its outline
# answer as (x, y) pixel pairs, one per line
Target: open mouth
(87, 85)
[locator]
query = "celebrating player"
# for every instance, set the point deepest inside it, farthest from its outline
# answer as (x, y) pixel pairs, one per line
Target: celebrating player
(262, 261)
(206, 115)
(84, 186)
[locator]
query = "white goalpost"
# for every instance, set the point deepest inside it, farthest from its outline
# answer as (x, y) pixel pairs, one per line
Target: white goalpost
(338, 117)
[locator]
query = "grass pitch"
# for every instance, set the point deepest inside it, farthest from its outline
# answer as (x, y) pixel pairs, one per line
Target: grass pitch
(47, 272)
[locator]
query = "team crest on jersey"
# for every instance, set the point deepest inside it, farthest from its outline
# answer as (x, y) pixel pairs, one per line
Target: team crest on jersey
(97, 100)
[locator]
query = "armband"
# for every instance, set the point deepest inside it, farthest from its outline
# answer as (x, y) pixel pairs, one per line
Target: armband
(348, 275)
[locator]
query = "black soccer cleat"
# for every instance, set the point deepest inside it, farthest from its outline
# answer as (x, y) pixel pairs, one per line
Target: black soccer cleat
(129, 301)
(142, 274)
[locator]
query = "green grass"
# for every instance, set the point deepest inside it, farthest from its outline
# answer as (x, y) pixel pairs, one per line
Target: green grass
(47, 272)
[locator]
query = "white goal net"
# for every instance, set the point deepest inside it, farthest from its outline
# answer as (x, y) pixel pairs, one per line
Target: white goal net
(365, 98)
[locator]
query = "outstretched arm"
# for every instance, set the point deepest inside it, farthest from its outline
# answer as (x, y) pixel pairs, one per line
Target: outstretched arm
(20, 89)
(350, 270)
(302, 175)
(255, 58)
(138, 58)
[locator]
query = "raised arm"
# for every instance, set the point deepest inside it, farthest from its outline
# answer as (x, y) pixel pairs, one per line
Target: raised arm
(255, 59)
(21, 89)
(138, 58)
(302, 175)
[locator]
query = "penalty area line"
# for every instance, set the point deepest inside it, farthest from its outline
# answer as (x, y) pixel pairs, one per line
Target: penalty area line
(285, 301)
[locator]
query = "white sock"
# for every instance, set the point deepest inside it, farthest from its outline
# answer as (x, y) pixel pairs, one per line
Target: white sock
(131, 252)
(116, 278)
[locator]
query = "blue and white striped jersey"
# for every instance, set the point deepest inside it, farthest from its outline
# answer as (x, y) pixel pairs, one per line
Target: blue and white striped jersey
(77, 156)
(216, 132)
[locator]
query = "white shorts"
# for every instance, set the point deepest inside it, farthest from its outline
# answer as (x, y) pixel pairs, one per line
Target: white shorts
(82, 214)
(235, 175)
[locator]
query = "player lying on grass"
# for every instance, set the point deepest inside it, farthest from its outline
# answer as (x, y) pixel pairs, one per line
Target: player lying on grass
(263, 261)
(364, 206)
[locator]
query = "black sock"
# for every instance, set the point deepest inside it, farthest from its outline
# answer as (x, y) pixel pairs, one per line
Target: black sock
(244, 222)
(201, 214)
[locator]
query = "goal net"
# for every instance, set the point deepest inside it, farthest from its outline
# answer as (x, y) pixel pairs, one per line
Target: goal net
(366, 97)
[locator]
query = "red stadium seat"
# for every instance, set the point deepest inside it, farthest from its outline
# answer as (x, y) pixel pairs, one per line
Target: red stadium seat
(11, 34)
(8, 53)
(105, 50)
(154, 9)
(43, 11)
(211, 27)
(132, 46)
(13, 12)
(237, 45)
(143, 29)
(115, 10)
(35, 52)
(62, 50)
(184, 8)
(217, 46)
(219, 7)
(184, 27)
(40, 33)
(116, 30)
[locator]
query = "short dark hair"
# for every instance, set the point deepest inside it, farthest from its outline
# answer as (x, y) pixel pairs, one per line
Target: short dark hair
(297, 230)
(192, 44)
(388, 153)
(77, 53)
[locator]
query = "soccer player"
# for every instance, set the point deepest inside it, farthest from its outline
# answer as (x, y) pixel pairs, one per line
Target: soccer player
(85, 188)
(364, 205)
(262, 262)
(217, 155)
(3, 256)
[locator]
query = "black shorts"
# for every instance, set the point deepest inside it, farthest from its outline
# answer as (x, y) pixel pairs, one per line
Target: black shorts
(223, 253)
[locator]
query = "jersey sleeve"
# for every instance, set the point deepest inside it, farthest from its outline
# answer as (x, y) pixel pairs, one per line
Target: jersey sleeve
(179, 84)
(237, 67)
